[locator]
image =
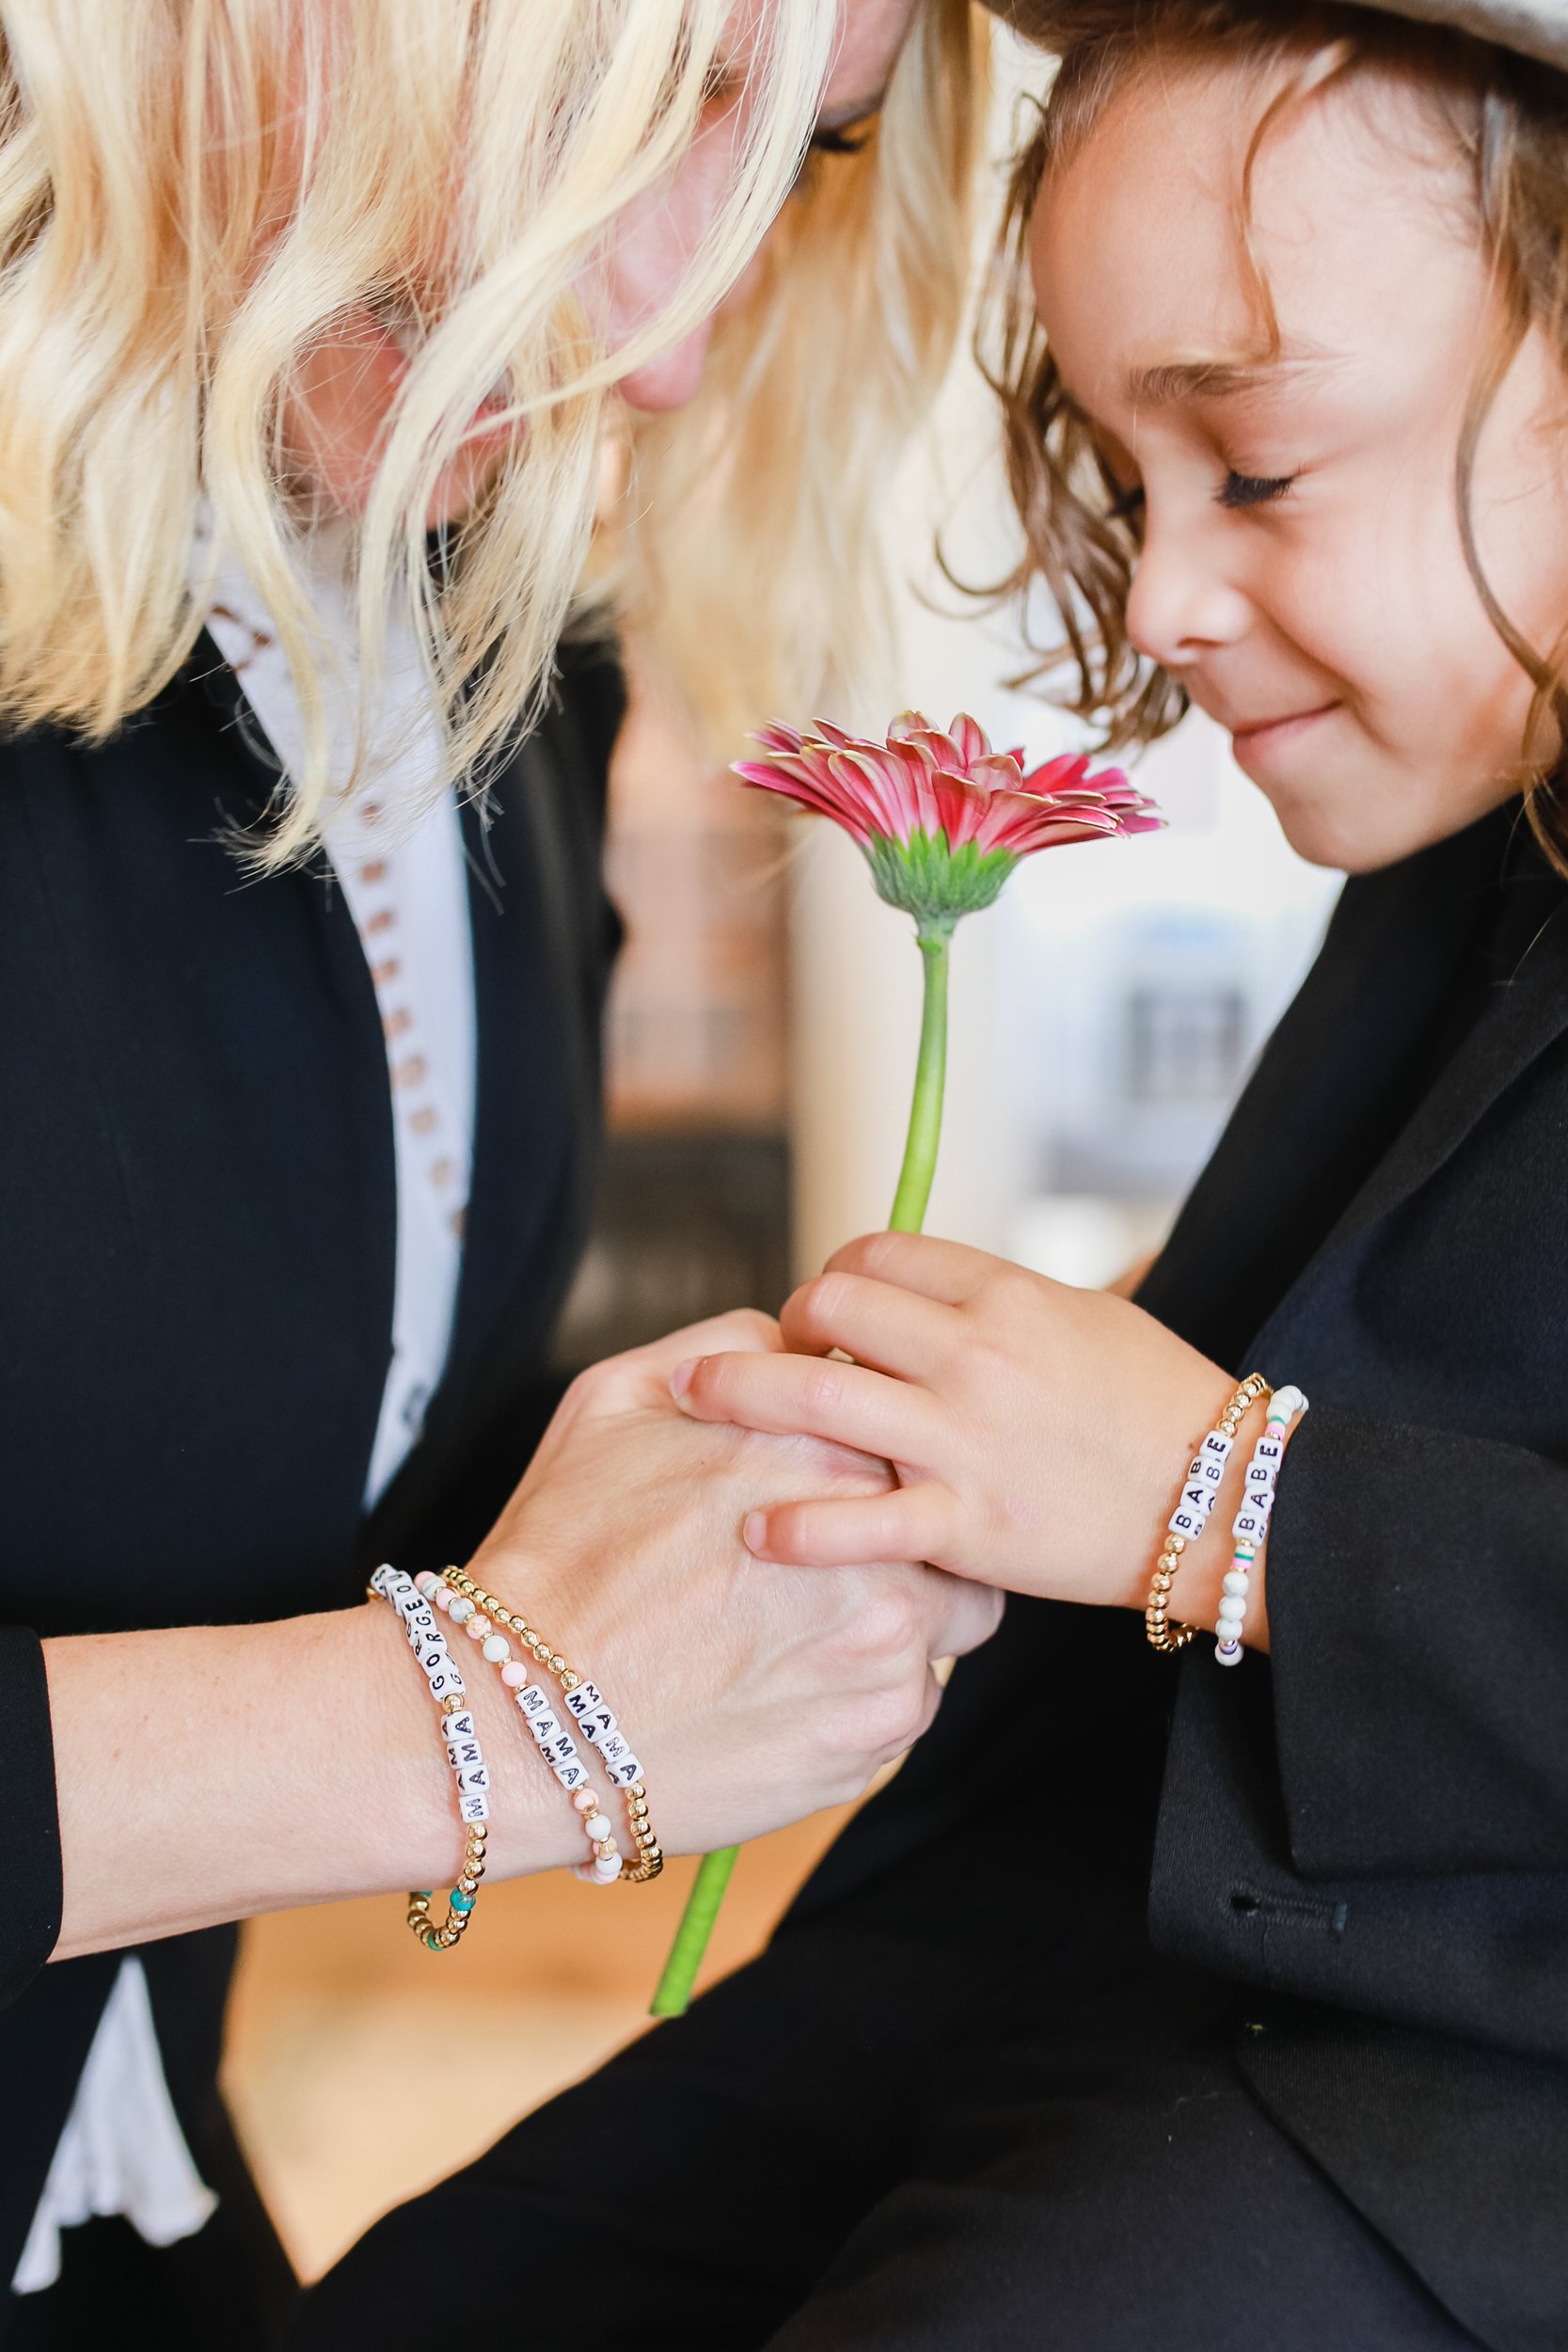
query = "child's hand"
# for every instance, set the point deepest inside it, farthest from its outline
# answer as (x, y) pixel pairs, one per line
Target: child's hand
(1039, 1433)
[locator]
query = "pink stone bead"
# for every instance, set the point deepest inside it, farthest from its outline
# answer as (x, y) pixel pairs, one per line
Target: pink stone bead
(514, 1674)
(585, 1801)
(479, 1626)
(426, 1582)
(443, 1598)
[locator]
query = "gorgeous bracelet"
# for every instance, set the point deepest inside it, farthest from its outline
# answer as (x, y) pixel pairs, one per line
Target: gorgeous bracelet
(463, 1754)
(594, 1721)
(1204, 1478)
(1251, 1523)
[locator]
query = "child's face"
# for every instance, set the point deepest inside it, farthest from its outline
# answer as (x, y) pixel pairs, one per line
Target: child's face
(1303, 571)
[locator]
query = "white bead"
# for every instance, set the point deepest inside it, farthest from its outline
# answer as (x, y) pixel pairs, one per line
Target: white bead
(608, 1867)
(1232, 1610)
(1226, 1656)
(427, 1582)
(1286, 1404)
(583, 1697)
(598, 1825)
(461, 1610)
(1238, 1582)
(498, 1649)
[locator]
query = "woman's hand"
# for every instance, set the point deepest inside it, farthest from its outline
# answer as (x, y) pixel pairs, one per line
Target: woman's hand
(754, 1694)
(1039, 1433)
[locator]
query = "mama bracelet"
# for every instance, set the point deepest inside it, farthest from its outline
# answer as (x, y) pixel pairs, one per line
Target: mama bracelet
(463, 1754)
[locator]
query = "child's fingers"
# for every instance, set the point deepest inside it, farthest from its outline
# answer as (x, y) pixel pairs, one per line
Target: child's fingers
(907, 1523)
(949, 1271)
(892, 1329)
(802, 1396)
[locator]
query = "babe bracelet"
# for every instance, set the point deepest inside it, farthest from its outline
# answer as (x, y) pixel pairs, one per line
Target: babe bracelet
(1204, 1478)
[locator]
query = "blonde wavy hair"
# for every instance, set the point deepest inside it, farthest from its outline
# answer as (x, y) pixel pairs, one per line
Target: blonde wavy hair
(1503, 117)
(193, 193)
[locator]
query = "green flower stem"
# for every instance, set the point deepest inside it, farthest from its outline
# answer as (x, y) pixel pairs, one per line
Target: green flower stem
(930, 1078)
(673, 1996)
(676, 1986)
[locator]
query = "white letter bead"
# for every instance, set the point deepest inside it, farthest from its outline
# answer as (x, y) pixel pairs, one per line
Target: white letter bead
(531, 1699)
(384, 1578)
(1249, 1526)
(583, 1697)
(558, 1748)
(1237, 1582)
(1268, 1450)
(496, 1648)
(473, 1807)
(613, 1747)
(623, 1774)
(1188, 1523)
(471, 1778)
(572, 1774)
(1204, 1472)
(1216, 1448)
(445, 1682)
(460, 1752)
(597, 1724)
(458, 1726)
(544, 1725)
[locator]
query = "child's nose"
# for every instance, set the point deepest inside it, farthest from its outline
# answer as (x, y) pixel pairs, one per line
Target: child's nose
(1183, 600)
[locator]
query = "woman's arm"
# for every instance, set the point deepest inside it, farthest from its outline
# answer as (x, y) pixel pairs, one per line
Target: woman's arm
(212, 1773)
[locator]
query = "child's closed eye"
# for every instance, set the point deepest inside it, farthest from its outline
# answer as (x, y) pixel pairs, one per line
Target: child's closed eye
(1251, 489)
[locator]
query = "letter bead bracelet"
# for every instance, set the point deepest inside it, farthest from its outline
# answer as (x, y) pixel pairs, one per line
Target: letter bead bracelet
(463, 1754)
(1190, 1518)
(490, 1623)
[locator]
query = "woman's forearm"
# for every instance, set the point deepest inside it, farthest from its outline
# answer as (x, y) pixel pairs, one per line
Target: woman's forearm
(213, 1772)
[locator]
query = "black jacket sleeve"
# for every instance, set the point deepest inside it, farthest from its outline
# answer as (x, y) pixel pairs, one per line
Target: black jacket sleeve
(1418, 1597)
(29, 1817)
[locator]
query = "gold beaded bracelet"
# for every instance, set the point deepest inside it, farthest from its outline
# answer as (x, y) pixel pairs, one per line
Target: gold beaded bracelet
(650, 1855)
(1191, 1515)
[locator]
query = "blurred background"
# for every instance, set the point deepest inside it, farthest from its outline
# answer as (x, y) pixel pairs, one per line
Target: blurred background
(762, 1043)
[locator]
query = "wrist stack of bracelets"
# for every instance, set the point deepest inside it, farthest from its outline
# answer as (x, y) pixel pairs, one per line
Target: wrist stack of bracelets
(495, 1629)
(1190, 1518)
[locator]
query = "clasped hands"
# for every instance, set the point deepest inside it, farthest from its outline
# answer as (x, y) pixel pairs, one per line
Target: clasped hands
(1037, 1434)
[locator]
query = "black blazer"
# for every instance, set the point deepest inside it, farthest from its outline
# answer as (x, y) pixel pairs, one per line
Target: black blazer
(1368, 1833)
(196, 1247)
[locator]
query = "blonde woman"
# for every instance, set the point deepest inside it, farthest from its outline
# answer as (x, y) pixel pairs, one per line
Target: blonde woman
(311, 315)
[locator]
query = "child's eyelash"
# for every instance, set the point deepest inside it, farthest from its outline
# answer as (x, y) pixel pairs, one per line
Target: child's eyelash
(1250, 489)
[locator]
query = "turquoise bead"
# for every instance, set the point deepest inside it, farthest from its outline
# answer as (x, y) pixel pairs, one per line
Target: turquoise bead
(460, 1901)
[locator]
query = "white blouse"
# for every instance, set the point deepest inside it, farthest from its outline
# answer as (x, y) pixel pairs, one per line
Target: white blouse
(398, 857)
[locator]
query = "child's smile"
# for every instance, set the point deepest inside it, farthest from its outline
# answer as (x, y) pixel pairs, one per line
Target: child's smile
(1303, 571)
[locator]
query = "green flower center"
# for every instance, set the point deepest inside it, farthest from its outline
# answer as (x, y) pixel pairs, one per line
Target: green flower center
(928, 878)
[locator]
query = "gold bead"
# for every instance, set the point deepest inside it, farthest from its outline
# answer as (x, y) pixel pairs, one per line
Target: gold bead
(571, 1682)
(557, 1666)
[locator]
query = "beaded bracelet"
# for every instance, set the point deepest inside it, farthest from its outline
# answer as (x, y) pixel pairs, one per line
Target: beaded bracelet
(1251, 1523)
(463, 1754)
(1191, 1515)
(593, 1720)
